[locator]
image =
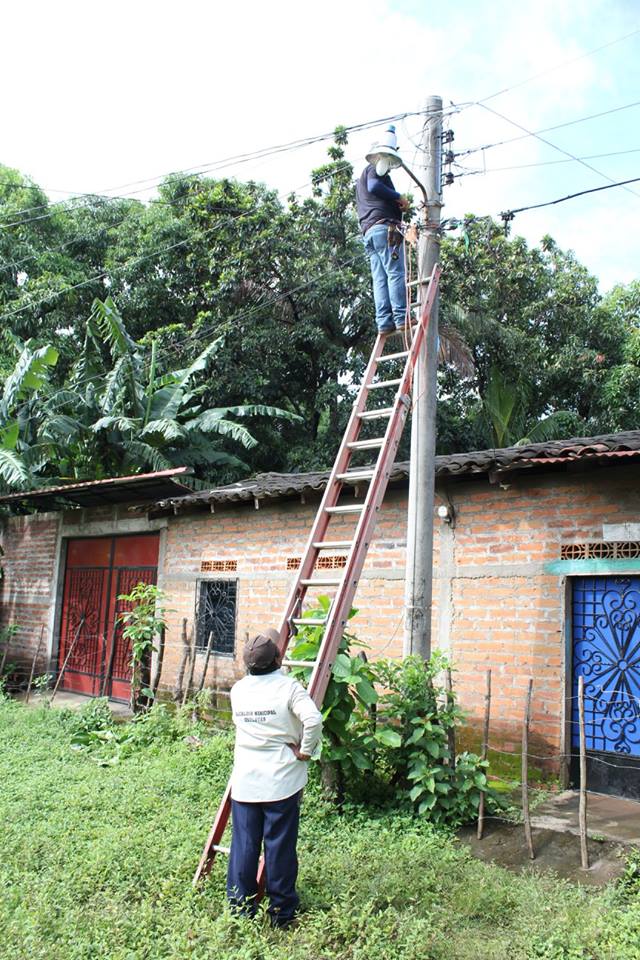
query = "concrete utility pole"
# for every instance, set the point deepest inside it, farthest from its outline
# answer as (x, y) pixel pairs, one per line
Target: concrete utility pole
(419, 567)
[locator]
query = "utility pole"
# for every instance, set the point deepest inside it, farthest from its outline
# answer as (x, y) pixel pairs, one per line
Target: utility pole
(419, 565)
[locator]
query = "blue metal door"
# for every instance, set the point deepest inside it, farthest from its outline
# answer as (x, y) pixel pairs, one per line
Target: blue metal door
(606, 652)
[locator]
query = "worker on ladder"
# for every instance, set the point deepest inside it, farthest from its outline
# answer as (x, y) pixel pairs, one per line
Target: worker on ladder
(380, 208)
(278, 729)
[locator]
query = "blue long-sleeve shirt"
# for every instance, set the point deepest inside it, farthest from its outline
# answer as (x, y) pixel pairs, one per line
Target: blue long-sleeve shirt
(376, 199)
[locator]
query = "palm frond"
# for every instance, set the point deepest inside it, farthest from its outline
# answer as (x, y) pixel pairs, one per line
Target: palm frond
(121, 423)
(141, 456)
(206, 423)
(13, 471)
(165, 429)
(28, 374)
(256, 410)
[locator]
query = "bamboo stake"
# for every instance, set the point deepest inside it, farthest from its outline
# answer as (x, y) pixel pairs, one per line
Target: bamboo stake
(192, 656)
(206, 661)
(525, 771)
(66, 659)
(5, 653)
(177, 690)
(159, 663)
(485, 749)
(451, 733)
(33, 664)
(582, 810)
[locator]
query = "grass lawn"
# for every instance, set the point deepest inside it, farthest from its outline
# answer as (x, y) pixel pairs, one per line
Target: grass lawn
(97, 862)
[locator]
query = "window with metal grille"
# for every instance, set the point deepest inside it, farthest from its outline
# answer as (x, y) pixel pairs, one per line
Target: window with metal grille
(216, 613)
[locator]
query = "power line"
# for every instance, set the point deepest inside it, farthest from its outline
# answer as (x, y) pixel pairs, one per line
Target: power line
(555, 147)
(544, 163)
(15, 264)
(535, 133)
(193, 172)
(509, 214)
(558, 66)
(231, 322)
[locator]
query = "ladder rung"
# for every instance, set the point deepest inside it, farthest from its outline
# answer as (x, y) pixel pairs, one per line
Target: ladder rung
(331, 582)
(309, 621)
(356, 508)
(352, 475)
(376, 414)
(298, 663)
(393, 356)
(219, 849)
(384, 383)
(333, 545)
(366, 444)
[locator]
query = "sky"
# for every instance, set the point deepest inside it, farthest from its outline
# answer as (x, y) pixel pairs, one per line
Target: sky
(109, 98)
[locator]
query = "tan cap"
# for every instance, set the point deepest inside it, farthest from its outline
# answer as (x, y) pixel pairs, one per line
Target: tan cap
(260, 651)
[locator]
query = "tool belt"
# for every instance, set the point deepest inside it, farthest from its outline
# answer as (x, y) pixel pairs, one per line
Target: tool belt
(395, 239)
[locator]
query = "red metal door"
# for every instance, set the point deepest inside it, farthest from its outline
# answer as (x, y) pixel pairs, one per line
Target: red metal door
(98, 570)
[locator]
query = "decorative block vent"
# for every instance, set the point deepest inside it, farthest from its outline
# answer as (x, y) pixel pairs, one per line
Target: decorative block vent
(218, 566)
(601, 550)
(322, 563)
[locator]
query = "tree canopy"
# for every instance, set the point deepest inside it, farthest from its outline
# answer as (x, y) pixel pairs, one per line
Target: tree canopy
(280, 286)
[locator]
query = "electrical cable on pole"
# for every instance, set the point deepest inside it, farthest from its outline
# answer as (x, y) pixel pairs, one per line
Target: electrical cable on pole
(419, 565)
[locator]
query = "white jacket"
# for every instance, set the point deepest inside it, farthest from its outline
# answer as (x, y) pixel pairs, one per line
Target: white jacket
(271, 711)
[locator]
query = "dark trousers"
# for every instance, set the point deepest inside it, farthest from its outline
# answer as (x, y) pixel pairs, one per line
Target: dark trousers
(276, 824)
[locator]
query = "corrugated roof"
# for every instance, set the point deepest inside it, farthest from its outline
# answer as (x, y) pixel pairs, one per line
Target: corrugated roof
(555, 453)
(93, 493)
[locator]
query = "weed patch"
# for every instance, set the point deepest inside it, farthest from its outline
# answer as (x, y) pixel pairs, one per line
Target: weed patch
(97, 864)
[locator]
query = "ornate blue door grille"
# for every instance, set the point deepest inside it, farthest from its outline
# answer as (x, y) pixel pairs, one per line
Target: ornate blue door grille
(606, 652)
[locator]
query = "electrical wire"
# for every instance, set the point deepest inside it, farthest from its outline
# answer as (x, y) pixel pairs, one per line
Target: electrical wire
(14, 264)
(558, 66)
(509, 214)
(572, 156)
(536, 133)
(543, 163)
(194, 172)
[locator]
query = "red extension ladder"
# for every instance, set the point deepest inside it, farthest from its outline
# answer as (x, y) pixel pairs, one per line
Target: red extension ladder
(365, 515)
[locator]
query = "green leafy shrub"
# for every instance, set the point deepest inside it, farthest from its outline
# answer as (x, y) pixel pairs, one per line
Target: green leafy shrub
(386, 733)
(143, 622)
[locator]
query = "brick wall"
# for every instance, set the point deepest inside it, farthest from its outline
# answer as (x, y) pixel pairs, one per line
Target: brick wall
(494, 603)
(27, 589)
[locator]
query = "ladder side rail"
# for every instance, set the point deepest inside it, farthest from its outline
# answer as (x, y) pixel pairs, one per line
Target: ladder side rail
(298, 590)
(329, 499)
(346, 592)
(338, 614)
(214, 838)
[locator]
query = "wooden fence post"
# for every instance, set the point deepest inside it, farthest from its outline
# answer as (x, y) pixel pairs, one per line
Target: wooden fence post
(177, 690)
(525, 771)
(582, 810)
(451, 733)
(159, 662)
(206, 661)
(68, 656)
(485, 749)
(192, 664)
(33, 664)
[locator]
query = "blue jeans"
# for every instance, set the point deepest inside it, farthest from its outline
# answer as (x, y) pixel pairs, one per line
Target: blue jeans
(276, 824)
(389, 292)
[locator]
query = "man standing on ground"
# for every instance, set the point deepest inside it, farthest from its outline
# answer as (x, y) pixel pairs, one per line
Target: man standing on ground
(380, 208)
(278, 728)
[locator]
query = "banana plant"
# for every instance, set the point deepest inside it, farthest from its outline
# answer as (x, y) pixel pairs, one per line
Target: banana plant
(20, 391)
(119, 413)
